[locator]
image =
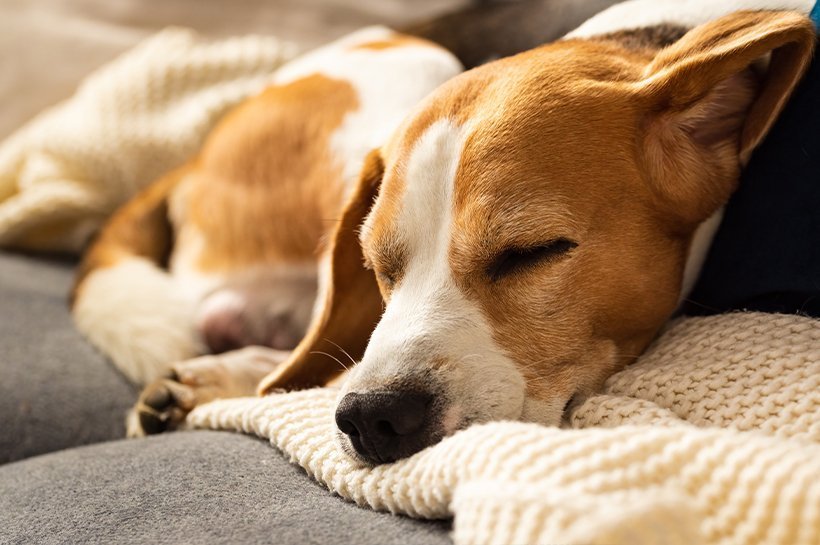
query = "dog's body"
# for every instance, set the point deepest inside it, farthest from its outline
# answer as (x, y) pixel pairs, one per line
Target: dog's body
(241, 227)
(531, 226)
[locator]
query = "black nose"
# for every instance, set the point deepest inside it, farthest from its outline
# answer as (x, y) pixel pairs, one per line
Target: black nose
(386, 426)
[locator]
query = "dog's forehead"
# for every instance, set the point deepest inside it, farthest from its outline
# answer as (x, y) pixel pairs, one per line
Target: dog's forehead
(416, 195)
(423, 156)
(529, 127)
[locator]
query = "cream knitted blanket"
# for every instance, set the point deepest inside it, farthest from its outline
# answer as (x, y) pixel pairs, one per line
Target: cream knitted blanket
(146, 112)
(712, 437)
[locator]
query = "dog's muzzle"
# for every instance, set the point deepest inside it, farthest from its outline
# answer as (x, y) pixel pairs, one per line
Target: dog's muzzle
(386, 426)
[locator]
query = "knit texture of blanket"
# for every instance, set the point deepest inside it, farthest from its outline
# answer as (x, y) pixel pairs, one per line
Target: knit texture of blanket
(712, 437)
(63, 173)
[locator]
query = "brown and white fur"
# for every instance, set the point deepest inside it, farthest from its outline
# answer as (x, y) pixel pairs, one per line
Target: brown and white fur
(533, 220)
(527, 228)
(241, 227)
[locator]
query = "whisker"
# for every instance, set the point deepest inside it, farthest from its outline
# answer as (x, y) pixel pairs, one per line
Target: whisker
(332, 357)
(343, 351)
(701, 305)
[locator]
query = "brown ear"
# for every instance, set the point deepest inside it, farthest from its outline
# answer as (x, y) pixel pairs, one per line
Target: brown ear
(351, 304)
(710, 105)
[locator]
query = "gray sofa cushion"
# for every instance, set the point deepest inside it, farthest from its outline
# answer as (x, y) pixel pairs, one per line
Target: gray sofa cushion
(196, 487)
(56, 391)
(186, 487)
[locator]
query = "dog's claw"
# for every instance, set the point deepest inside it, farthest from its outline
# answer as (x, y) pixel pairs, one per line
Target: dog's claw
(151, 421)
(162, 406)
(157, 398)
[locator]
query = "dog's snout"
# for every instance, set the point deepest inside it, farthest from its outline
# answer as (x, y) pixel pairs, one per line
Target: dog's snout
(385, 426)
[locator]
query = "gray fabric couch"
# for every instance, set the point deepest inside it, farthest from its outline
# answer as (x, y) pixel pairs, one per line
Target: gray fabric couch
(56, 393)
(66, 476)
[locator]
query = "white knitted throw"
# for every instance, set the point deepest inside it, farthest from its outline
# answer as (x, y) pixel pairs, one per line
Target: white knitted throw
(129, 122)
(712, 437)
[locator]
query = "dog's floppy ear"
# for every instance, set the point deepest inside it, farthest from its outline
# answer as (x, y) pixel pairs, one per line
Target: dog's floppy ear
(711, 98)
(349, 303)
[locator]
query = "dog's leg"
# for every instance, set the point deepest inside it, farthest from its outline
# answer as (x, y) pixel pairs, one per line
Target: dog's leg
(164, 404)
(124, 301)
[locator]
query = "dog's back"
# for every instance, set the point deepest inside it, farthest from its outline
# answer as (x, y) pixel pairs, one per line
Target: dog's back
(240, 226)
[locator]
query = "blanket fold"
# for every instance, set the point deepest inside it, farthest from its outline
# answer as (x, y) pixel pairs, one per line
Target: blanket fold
(712, 437)
(63, 173)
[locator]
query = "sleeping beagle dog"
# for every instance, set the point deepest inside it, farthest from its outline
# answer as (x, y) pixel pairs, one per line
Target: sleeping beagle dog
(229, 250)
(522, 235)
(531, 223)
(241, 228)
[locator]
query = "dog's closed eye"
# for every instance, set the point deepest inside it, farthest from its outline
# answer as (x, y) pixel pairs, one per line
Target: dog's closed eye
(387, 278)
(387, 257)
(515, 260)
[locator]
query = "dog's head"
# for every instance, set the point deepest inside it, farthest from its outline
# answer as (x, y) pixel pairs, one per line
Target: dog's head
(528, 227)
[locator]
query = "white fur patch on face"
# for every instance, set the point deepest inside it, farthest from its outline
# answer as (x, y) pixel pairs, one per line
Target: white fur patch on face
(686, 13)
(431, 336)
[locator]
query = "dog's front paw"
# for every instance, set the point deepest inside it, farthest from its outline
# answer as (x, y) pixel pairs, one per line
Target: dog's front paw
(164, 404)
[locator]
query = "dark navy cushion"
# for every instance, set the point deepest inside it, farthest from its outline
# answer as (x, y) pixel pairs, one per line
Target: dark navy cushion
(766, 254)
